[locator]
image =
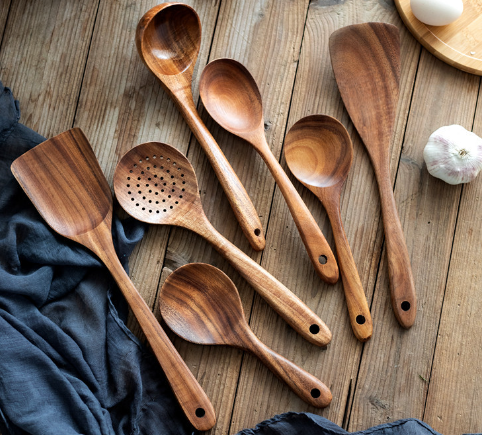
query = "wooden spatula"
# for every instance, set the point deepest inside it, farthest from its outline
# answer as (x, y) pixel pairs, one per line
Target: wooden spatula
(366, 62)
(65, 183)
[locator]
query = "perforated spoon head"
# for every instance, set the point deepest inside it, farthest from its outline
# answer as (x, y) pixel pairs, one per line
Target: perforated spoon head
(201, 304)
(155, 183)
(231, 96)
(319, 151)
(168, 39)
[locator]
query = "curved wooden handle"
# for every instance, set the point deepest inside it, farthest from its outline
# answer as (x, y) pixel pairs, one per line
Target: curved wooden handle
(402, 286)
(190, 395)
(304, 384)
(360, 317)
(241, 204)
(283, 301)
(316, 245)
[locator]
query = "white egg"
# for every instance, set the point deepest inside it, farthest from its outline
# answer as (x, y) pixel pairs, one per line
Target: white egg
(437, 12)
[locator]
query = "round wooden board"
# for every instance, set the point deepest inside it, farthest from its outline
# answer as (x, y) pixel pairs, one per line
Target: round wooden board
(459, 44)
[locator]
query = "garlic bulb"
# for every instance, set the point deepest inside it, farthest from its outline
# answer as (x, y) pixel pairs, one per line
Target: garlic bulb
(453, 154)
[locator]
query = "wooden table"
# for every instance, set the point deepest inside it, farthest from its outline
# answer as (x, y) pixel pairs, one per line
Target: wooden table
(74, 63)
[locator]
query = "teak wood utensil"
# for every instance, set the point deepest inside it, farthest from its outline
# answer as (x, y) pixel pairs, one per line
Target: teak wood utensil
(231, 96)
(201, 304)
(319, 153)
(366, 63)
(65, 183)
(168, 39)
(156, 184)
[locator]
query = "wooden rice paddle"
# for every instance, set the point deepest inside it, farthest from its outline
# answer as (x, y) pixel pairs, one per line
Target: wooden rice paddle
(366, 63)
(65, 183)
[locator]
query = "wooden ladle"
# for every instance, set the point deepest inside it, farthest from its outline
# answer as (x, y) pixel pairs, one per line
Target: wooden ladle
(65, 183)
(366, 62)
(156, 184)
(201, 304)
(168, 39)
(319, 153)
(231, 96)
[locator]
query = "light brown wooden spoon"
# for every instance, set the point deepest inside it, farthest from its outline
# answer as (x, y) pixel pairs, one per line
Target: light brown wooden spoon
(231, 96)
(319, 153)
(156, 184)
(201, 304)
(366, 62)
(168, 39)
(65, 183)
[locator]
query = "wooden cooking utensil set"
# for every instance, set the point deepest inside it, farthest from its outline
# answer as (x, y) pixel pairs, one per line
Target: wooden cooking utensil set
(155, 183)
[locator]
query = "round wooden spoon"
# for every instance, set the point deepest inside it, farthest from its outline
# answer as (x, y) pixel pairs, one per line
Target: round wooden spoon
(156, 184)
(201, 304)
(168, 39)
(232, 98)
(319, 153)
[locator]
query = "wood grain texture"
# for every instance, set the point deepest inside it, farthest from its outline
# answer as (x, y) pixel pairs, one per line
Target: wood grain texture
(168, 39)
(201, 304)
(459, 44)
(227, 88)
(4, 8)
(65, 183)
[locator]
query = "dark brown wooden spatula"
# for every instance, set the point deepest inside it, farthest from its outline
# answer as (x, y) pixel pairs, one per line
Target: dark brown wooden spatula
(366, 62)
(65, 183)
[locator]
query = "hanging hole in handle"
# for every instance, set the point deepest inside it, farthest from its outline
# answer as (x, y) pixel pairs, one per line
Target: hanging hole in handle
(315, 393)
(405, 305)
(257, 232)
(360, 319)
(314, 329)
(322, 259)
(200, 412)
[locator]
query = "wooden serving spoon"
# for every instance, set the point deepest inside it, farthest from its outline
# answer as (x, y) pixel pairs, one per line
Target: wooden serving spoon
(232, 98)
(64, 181)
(366, 63)
(168, 39)
(201, 304)
(156, 184)
(319, 153)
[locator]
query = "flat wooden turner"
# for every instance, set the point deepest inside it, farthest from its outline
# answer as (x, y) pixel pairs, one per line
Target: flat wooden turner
(366, 62)
(65, 183)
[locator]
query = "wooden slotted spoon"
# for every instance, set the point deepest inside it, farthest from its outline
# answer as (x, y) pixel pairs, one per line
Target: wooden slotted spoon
(202, 305)
(168, 39)
(155, 183)
(63, 179)
(366, 62)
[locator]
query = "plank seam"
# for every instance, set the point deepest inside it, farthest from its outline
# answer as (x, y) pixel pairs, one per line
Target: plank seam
(5, 27)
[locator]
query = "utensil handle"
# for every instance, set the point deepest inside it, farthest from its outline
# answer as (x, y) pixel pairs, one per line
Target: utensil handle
(282, 300)
(402, 286)
(316, 245)
(304, 384)
(241, 204)
(360, 317)
(190, 395)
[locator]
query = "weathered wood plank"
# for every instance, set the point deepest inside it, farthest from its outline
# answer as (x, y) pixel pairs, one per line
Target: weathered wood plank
(454, 403)
(390, 384)
(4, 8)
(43, 58)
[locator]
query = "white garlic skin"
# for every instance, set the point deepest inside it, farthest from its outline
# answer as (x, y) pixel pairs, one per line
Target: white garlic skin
(453, 154)
(437, 12)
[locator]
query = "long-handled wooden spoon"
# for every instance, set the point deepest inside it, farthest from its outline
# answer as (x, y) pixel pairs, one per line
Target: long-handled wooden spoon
(65, 183)
(168, 39)
(366, 63)
(201, 304)
(156, 184)
(231, 96)
(319, 153)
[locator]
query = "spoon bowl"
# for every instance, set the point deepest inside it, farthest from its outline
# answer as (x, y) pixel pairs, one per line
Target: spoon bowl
(201, 304)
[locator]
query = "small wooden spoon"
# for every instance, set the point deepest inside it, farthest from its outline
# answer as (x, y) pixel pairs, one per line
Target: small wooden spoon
(319, 153)
(366, 62)
(65, 183)
(201, 304)
(168, 39)
(156, 184)
(232, 98)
